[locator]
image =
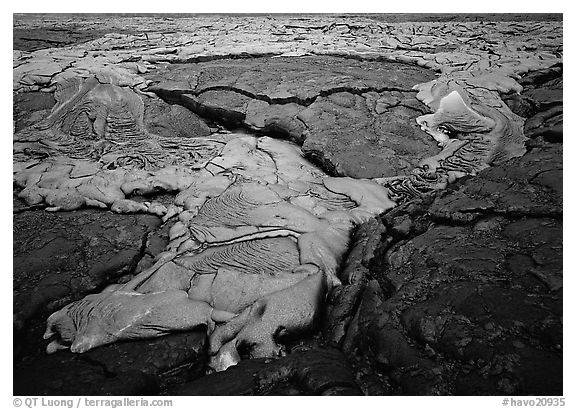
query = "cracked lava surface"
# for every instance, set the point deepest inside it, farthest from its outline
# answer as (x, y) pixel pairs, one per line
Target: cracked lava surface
(256, 151)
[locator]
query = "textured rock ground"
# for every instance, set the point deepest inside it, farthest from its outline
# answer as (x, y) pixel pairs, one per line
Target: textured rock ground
(140, 368)
(464, 292)
(468, 298)
(77, 253)
(457, 290)
(315, 371)
(343, 106)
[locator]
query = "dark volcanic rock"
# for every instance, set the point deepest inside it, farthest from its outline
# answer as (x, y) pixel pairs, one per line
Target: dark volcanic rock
(313, 372)
(76, 253)
(528, 186)
(65, 373)
(131, 368)
(459, 292)
(172, 120)
(354, 117)
(342, 301)
(32, 39)
(30, 108)
(470, 302)
(541, 102)
(369, 135)
(169, 359)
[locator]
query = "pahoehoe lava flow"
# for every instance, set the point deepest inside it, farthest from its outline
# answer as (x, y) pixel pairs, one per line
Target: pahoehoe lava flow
(229, 196)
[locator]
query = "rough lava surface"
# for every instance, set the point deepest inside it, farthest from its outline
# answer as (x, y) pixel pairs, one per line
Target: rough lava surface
(339, 205)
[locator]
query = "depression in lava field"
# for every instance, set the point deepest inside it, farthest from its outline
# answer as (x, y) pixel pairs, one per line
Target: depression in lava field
(352, 204)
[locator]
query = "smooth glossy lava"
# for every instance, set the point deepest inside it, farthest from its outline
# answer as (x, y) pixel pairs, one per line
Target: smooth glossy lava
(261, 231)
